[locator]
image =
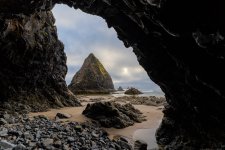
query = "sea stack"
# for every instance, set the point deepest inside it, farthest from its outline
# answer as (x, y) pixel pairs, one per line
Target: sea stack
(132, 91)
(92, 78)
(120, 88)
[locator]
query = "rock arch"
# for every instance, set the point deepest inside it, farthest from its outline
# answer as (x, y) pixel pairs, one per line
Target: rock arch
(179, 43)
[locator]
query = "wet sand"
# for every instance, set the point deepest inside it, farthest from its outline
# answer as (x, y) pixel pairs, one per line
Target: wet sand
(153, 115)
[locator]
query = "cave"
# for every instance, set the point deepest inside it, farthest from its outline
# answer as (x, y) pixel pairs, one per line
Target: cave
(179, 44)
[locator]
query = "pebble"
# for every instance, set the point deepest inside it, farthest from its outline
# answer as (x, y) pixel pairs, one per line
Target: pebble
(94, 134)
(3, 121)
(41, 133)
(19, 147)
(57, 144)
(3, 132)
(71, 139)
(47, 142)
(140, 145)
(6, 145)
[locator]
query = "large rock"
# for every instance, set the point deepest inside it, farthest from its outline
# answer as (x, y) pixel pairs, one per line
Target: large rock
(6, 145)
(110, 114)
(91, 78)
(132, 91)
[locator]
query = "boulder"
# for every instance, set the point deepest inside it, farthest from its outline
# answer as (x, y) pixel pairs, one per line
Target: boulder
(91, 78)
(3, 132)
(132, 91)
(63, 115)
(110, 114)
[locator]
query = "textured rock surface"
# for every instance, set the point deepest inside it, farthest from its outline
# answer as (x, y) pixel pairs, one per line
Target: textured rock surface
(91, 78)
(33, 63)
(41, 133)
(132, 91)
(181, 46)
(120, 89)
(110, 114)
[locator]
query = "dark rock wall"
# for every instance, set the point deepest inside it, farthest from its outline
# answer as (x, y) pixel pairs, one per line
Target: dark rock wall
(32, 60)
(181, 46)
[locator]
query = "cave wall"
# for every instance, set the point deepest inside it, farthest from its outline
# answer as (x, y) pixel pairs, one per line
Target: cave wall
(33, 63)
(181, 46)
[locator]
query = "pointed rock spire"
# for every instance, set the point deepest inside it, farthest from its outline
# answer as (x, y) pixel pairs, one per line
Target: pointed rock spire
(91, 78)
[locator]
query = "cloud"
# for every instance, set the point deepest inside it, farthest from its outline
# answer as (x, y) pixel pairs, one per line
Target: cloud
(82, 34)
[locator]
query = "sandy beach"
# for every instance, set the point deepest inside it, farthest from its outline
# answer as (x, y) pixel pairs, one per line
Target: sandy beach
(137, 131)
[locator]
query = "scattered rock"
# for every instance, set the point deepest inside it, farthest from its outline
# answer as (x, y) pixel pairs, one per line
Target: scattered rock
(47, 142)
(91, 78)
(122, 144)
(132, 91)
(42, 133)
(71, 139)
(5, 115)
(96, 99)
(142, 100)
(110, 114)
(120, 89)
(63, 115)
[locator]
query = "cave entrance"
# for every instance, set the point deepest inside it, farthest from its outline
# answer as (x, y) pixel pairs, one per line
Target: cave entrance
(83, 34)
(181, 50)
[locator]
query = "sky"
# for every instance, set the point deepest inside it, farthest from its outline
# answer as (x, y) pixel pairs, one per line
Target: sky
(83, 34)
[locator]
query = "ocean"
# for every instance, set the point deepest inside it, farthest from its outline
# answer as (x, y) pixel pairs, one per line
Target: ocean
(145, 93)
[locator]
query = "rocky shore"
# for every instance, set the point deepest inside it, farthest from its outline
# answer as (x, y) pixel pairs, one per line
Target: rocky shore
(134, 100)
(42, 133)
(67, 128)
(141, 100)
